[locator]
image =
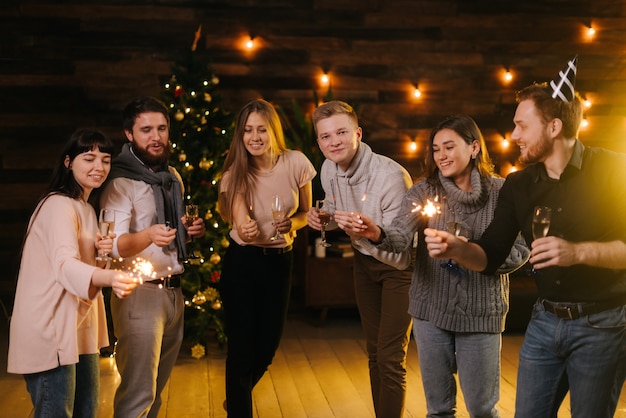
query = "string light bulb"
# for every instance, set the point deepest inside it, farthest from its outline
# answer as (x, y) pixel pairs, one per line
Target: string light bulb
(584, 123)
(587, 103)
(416, 92)
(508, 76)
(591, 31)
(250, 43)
(413, 146)
(325, 79)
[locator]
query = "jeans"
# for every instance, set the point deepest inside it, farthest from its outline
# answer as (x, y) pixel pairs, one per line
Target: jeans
(590, 351)
(382, 295)
(255, 293)
(66, 391)
(476, 358)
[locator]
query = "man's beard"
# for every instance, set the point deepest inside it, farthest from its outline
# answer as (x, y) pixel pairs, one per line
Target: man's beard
(149, 159)
(537, 152)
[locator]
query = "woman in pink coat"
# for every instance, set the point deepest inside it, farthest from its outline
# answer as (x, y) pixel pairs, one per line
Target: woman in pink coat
(58, 323)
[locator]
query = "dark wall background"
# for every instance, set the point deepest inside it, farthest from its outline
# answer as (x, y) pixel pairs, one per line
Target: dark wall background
(76, 64)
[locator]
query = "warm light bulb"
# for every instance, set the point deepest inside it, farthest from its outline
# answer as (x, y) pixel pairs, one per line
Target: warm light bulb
(584, 123)
(413, 146)
(587, 103)
(324, 78)
(417, 93)
(250, 43)
(508, 76)
(512, 169)
(591, 31)
(505, 143)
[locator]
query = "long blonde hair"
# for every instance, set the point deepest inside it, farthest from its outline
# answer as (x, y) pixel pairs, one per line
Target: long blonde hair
(238, 161)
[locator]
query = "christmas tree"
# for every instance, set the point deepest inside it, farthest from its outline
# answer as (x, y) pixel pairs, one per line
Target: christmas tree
(200, 132)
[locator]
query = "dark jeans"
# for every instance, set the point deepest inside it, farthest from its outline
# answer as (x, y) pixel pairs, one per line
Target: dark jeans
(255, 292)
(590, 351)
(66, 391)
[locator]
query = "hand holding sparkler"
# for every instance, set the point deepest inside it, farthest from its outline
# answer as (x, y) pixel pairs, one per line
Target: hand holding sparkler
(355, 223)
(121, 282)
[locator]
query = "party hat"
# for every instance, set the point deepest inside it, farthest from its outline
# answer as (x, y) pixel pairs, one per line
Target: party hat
(562, 87)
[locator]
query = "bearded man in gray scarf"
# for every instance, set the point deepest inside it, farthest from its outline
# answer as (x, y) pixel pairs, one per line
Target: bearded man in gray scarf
(147, 197)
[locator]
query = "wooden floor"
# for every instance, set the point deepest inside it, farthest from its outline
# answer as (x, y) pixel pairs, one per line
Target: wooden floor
(319, 371)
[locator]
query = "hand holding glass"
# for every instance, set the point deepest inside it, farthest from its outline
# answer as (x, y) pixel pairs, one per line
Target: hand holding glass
(191, 214)
(278, 213)
(453, 228)
(106, 226)
(324, 220)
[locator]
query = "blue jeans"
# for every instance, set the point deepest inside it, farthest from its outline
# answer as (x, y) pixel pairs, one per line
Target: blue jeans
(476, 358)
(590, 351)
(66, 391)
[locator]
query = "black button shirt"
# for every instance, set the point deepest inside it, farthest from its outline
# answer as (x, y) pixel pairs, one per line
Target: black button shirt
(588, 204)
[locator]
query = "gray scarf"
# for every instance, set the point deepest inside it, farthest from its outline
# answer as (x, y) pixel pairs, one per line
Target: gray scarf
(168, 196)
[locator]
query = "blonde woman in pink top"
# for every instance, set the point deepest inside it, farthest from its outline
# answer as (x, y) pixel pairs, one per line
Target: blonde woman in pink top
(58, 323)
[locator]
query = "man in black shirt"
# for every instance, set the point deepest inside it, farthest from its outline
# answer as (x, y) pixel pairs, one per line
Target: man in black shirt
(578, 324)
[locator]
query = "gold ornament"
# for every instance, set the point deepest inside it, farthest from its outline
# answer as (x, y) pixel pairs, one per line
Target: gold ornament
(217, 305)
(204, 163)
(199, 298)
(179, 115)
(208, 215)
(225, 242)
(182, 156)
(215, 258)
(198, 351)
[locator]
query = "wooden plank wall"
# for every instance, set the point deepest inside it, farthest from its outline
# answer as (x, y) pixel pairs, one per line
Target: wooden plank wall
(76, 64)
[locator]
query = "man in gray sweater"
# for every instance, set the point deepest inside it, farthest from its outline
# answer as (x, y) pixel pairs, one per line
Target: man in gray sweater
(355, 179)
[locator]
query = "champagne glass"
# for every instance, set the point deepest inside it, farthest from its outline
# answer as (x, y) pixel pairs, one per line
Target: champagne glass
(278, 213)
(191, 214)
(541, 221)
(541, 224)
(106, 226)
(324, 220)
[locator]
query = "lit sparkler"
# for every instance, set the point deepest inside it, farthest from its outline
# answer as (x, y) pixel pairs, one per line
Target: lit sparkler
(139, 269)
(430, 209)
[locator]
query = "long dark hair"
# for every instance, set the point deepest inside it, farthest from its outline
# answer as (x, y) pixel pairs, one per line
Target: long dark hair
(467, 129)
(83, 140)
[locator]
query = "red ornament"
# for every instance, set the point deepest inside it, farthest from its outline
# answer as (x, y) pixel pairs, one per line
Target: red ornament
(178, 91)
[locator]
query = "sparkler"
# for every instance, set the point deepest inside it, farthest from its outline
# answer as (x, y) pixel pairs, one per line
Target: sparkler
(430, 209)
(140, 269)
